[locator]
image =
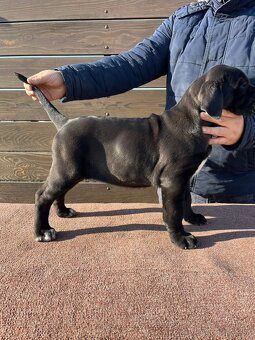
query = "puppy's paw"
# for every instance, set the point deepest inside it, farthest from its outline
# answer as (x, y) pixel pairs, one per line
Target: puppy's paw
(47, 235)
(184, 240)
(197, 219)
(67, 213)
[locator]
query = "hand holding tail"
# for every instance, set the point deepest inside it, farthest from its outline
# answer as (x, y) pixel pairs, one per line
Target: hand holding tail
(55, 116)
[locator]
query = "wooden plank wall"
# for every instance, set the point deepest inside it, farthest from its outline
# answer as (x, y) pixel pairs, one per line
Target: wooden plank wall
(37, 35)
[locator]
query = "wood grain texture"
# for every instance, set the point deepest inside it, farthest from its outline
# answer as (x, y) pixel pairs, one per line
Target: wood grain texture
(26, 136)
(16, 105)
(29, 10)
(21, 192)
(35, 36)
(32, 65)
(79, 37)
(32, 167)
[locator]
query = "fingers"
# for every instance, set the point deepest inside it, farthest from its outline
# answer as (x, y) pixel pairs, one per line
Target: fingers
(36, 79)
(28, 88)
(30, 92)
(226, 131)
(50, 82)
(226, 116)
(218, 141)
(224, 119)
(219, 134)
(218, 131)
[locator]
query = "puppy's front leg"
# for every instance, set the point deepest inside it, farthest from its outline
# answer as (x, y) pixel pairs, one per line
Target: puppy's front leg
(189, 214)
(173, 208)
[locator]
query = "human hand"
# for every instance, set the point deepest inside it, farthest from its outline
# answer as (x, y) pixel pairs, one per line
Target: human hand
(229, 130)
(50, 82)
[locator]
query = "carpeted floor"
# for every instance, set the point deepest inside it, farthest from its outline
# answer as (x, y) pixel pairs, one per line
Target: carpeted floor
(113, 274)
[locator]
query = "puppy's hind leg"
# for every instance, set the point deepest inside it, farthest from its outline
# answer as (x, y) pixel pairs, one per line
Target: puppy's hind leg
(53, 189)
(42, 229)
(61, 209)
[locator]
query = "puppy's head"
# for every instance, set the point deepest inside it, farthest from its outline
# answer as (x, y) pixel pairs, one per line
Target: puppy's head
(225, 87)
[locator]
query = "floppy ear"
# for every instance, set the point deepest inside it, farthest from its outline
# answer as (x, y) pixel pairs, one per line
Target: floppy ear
(211, 98)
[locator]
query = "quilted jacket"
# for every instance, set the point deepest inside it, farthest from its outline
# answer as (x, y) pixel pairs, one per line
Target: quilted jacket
(186, 45)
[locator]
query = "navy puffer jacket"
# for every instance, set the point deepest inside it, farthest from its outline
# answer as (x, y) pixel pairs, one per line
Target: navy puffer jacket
(188, 43)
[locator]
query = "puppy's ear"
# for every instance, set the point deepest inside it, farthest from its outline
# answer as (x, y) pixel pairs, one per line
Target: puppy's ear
(211, 98)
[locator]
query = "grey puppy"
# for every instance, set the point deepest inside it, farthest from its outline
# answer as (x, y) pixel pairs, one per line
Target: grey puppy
(163, 151)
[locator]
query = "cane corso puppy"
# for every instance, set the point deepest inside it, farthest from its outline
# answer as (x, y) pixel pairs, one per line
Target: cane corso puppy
(163, 151)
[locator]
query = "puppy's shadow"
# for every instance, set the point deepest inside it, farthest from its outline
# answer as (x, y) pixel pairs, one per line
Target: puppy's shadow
(118, 212)
(228, 221)
(66, 235)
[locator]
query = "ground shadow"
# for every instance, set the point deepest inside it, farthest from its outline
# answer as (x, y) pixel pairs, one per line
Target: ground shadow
(66, 235)
(235, 222)
(118, 212)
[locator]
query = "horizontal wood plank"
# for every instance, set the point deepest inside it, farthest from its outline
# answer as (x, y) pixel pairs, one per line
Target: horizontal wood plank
(16, 105)
(32, 65)
(26, 136)
(21, 192)
(37, 136)
(36, 36)
(26, 166)
(28, 10)
(79, 37)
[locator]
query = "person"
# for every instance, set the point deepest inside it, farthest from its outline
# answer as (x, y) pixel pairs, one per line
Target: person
(188, 43)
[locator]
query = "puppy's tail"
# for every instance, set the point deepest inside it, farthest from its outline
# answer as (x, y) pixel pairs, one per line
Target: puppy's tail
(57, 118)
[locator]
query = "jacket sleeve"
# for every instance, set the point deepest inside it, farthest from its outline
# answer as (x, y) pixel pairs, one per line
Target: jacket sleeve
(248, 139)
(108, 76)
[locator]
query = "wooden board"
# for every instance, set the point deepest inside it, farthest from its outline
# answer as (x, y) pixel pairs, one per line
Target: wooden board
(16, 105)
(35, 36)
(79, 37)
(21, 192)
(24, 166)
(31, 65)
(30, 10)
(26, 136)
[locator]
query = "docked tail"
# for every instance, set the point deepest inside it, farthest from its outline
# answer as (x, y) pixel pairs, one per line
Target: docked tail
(57, 118)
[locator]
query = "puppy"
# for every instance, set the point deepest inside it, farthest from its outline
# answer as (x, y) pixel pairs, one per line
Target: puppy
(163, 151)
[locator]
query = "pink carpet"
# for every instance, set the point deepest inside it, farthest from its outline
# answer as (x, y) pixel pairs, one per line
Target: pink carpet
(113, 274)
